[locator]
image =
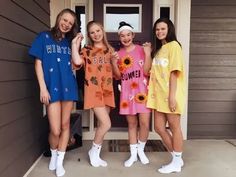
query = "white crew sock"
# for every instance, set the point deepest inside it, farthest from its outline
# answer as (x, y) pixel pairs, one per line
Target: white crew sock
(53, 160)
(177, 158)
(143, 158)
(60, 171)
(175, 165)
(133, 157)
(94, 156)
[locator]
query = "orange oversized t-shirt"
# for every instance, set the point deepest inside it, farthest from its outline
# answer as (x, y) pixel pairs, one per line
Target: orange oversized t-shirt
(98, 86)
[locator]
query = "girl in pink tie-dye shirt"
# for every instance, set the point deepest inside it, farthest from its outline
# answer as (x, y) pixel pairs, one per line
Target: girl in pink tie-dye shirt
(130, 69)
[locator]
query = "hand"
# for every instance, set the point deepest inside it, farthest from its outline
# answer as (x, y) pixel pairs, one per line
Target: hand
(114, 57)
(77, 40)
(147, 47)
(45, 97)
(172, 103)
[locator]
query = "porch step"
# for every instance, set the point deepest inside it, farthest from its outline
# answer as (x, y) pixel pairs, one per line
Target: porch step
(123, 146)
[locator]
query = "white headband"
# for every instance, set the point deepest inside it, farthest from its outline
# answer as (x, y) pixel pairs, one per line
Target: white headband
(125, 27)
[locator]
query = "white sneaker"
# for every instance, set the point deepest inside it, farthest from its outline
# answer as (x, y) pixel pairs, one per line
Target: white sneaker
(60, 171)
(52, 163)
(181, 163)
(130, 161)
(142, 156)
(102, 163)
(53, 160)
(170, 168)
(93, 160)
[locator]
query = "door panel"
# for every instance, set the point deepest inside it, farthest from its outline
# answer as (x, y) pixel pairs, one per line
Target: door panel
(140, 37)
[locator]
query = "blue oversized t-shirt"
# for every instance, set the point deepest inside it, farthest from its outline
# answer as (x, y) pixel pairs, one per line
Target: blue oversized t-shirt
(56, 62)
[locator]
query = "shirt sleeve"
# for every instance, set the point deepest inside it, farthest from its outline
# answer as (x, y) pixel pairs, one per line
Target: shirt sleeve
(82, 54)
(36, 49)
(176, 57)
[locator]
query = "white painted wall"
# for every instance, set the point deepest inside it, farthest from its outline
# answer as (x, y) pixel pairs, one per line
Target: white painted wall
(182, 23)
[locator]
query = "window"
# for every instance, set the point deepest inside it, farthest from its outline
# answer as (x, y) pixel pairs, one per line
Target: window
(115, 13)
(163, 8)
(165, 12)
(81, 17)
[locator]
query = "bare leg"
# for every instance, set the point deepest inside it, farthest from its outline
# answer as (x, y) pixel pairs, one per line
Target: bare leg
(160, 121)
(54, 118)
(144, 120)
(132, 128)
(65, 125)
(132, 132)
(175, 128)
(177, 144)
(144, 123)
(104, 124)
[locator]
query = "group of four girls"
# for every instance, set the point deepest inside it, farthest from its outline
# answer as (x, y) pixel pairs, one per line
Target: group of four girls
(152, 78)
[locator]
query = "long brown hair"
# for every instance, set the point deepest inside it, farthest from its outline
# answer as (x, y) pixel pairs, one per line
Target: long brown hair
(171, 35)
(57, 34)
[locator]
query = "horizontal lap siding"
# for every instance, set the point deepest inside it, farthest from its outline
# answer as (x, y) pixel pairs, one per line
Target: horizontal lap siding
(212, 70)
(23, 131)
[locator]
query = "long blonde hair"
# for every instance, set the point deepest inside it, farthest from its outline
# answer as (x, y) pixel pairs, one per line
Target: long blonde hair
(105, 41)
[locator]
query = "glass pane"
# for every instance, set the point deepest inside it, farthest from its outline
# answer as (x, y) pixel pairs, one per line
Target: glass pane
(80, 12)
(165, 12)
(114, 14)
(81, 17)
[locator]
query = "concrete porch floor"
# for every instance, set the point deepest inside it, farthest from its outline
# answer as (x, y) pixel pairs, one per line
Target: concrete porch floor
(203, 158)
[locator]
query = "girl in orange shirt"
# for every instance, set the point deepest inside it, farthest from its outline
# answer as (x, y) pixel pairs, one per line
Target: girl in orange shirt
(98, 86)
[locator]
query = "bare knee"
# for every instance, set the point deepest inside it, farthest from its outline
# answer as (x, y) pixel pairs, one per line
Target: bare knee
(132, 125)
(108, 126)
(55, 132)
(160, 130)
(105, 125)
(65, 126)
(144, 125)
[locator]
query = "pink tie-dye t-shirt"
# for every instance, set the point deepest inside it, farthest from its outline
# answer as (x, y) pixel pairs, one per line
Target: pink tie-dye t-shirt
(133, 95)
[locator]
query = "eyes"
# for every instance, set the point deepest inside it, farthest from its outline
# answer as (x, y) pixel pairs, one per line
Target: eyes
(67, 21)
(161, 29)
(95, 31)
(126, 35)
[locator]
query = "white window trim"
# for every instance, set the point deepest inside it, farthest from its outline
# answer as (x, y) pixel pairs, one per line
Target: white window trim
(123, 5)
(157, 4)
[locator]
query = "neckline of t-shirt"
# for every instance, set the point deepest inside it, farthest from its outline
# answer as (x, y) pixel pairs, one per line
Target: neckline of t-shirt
(135, 46)
(60, 41)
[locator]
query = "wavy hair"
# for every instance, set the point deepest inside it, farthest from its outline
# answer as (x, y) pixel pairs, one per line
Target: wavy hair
(57, 34)
(105, 41)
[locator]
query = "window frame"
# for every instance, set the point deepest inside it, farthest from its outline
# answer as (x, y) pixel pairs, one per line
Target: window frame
(139, 30)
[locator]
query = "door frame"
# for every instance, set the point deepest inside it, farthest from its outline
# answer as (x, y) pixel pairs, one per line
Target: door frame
(179, 14)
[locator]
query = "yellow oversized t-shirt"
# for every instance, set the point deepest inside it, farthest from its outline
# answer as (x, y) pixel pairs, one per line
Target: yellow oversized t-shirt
(169, 58)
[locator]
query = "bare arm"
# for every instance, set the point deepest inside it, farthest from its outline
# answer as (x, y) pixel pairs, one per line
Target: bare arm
(172, 91)
(148, 58)
(115, 68)
(44, 94)
(75, 45)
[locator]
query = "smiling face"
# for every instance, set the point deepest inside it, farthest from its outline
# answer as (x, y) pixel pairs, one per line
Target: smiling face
(66, 23)
(126, 37)
(95, 33)
(161, 31)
